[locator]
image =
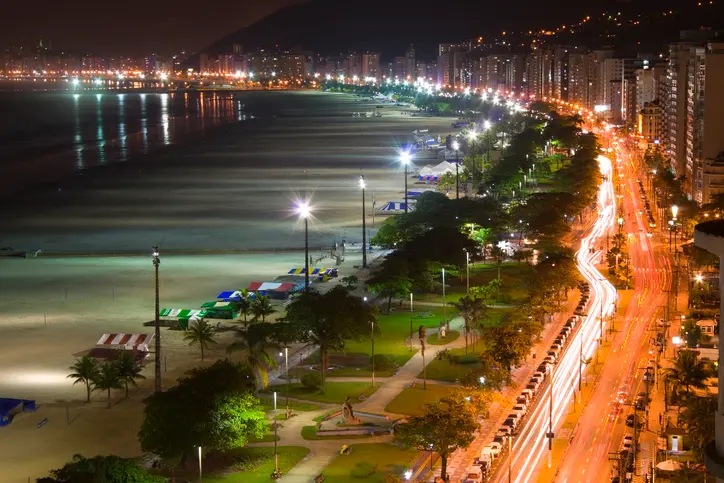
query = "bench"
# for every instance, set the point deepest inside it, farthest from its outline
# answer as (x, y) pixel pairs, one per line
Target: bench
(319, 478)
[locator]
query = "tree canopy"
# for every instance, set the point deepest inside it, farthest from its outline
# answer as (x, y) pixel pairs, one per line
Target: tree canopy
(105, 469)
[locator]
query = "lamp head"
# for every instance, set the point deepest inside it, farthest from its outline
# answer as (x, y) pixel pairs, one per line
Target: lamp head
(455, 145)
(674, 210)
(405, 157)
(303, 209)
(362, 183)
(154, 254)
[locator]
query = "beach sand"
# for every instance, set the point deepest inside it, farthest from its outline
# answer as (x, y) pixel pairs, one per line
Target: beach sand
(204, 205)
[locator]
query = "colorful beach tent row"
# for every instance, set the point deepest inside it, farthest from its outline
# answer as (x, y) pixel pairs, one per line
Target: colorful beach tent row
(183, 313)
(394, 206)
(329, 272)
(275, 287)
(216, 305)
(127, 341)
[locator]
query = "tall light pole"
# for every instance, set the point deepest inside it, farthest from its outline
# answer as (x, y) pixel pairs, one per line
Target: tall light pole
(510, 458)
(364, 222)
(456, 148)
(372, 322)
(157, 324)
(201, 476)
(286, 375)
(405, 158)
(467, 273)
(411, 314)
(444, 312)
(276, 455)
(550, 424)
(303, 210)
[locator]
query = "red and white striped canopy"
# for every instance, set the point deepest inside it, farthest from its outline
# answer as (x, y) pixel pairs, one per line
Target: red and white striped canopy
(127, 341)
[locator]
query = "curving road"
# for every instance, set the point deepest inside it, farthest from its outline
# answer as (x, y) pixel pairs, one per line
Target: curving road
(531, 446)
(601, 428)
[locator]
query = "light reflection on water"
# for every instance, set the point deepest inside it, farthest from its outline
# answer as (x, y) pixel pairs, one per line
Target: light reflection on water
(71, 132)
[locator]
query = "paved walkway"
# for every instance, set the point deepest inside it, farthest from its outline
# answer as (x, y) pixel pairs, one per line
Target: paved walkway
(323, 452)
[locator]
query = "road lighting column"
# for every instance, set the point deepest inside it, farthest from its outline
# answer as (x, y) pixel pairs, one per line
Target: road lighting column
(201, 475)
(157, 325)
(411, 314)
(276, 474)
(373, 352)
(444, 312)
(303, 210)
(364, 222)
(456, 147)
(467, 273)
(405, 160)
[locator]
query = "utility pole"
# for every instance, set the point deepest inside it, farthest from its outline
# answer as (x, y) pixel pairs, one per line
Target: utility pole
(411, 313)
(550, 424)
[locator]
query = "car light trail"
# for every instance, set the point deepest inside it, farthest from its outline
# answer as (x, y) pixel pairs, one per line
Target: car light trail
(531, 444)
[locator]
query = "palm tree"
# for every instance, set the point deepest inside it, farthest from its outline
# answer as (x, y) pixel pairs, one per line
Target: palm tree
(242, 305)
(261, 307)
(498, 255)
(108, 378)
(128, 369)
(256, 343)
(698, 419)
(201, 334)
(688, 371)
(472, 310)
(84, 370)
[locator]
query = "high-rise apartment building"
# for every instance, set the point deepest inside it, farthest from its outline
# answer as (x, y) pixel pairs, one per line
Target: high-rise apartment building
(450, 63)
(705, 121)
(371, 65)
(410, 67)
(649, 122)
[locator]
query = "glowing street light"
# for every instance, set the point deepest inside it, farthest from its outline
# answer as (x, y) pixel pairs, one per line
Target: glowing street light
(362, 186)
(303, 211)
(405, 159)
(157, 324)
(674, 211)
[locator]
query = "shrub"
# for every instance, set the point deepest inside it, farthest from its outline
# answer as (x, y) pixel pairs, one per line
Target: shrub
(467, 359)
(312, 380)
(383, 362)
(392, 478)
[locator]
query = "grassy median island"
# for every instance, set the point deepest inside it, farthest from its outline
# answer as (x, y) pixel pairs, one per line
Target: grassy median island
(412, 399)
(369, 463)
(452, 367)
(243, 465)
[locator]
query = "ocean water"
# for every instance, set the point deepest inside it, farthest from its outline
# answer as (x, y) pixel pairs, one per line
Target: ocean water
(46, 136)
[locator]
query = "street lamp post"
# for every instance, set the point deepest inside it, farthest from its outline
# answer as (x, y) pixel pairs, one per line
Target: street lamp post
(405, 160)
(201, 475)
(157, 325)
(303, 210)
(411, 314)
(550, 424)
(456, 147)
(467, 273)
(286, 375)
(620, 224)
(444, 312)
(372, 322)
(364, 222)
(276, 455)
(510, 458)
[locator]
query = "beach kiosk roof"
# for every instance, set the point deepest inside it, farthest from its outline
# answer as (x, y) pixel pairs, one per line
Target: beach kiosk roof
(276, 287)
(126, 341)
(442, 168)
(183, 314)
(332, 272)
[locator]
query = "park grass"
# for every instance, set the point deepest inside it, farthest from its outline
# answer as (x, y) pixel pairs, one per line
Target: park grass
(336, 392)
(298, 372)
(443, 370)
(310, 434)
(259, 465)
(450, 336)
(512, 276)
(268, 404)
(378, 459)
(394, 330)
(412, 400)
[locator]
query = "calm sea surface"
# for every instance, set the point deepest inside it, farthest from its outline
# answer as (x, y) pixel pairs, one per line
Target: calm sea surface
(46, 136)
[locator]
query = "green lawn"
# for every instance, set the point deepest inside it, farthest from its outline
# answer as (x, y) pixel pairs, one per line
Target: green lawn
(245, 465)
(369, 463)
(512, 275)
(336, 392)
(450, 336)
(268, 437)
(412, 399)
(268, 404)
(443, 370)
(394, 330)
(310, 433)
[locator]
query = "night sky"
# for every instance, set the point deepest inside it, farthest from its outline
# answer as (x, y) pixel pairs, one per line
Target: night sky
(132, 27)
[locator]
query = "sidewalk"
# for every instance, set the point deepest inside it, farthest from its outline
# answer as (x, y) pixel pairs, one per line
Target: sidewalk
(499, 410)
(407, 374)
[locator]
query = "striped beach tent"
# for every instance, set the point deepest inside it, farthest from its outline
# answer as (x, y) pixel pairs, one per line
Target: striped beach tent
(229, 294)
(216, 305)
(330, 272)
(395, 206)
(126, 341)
(183, 313)
(278, 287)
